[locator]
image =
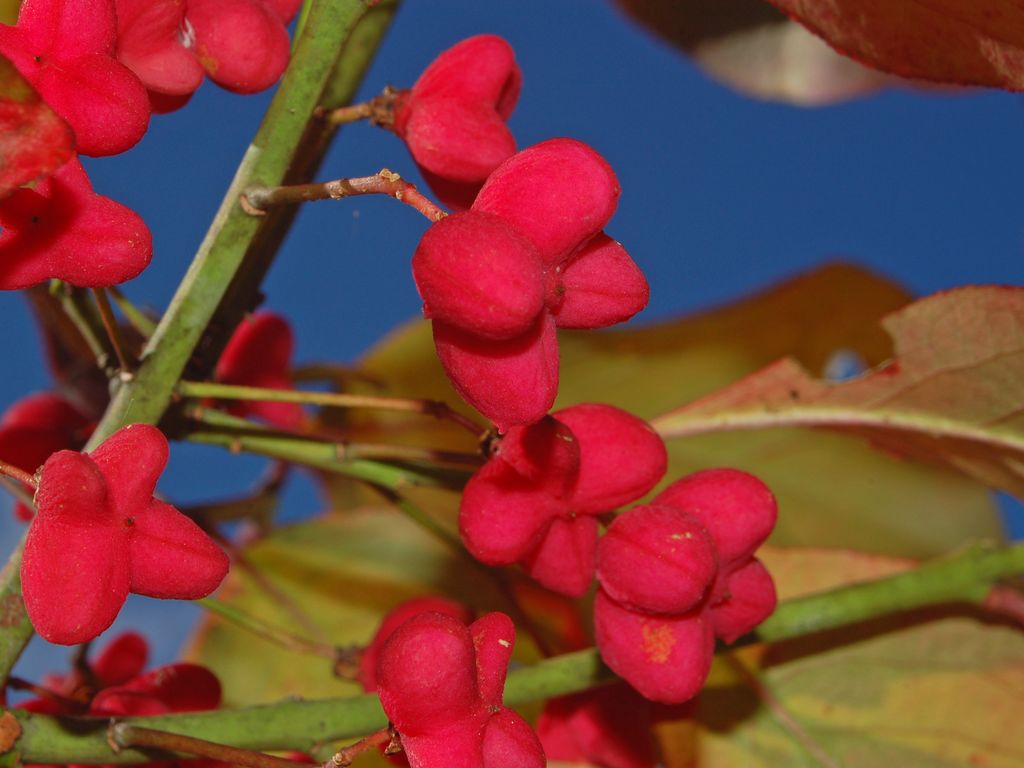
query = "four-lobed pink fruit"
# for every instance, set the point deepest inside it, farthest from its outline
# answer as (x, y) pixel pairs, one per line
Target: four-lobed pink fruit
(454, 117)
(677, 573)
(528, 257)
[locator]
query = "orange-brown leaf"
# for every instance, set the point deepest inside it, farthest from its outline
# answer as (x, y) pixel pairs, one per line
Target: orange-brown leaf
(756, 50)
(966, 42)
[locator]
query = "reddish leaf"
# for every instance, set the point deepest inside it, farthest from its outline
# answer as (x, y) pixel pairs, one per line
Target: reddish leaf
(968, 42)
(33, 140)
(950, 396)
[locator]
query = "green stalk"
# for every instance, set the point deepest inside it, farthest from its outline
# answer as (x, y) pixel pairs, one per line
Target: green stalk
(319, 455)
(15, 628)
(241, 435)
(963, 577)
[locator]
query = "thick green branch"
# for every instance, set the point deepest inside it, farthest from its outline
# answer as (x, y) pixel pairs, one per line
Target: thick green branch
(965, 576)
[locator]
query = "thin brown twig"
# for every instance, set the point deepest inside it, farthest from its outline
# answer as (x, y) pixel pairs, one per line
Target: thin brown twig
(344, 757)
(18, 492)
(66, 704)
(110, 326)
(379, 451)
(122, 735)
(256, 200)
(17, 473)
(380, 110)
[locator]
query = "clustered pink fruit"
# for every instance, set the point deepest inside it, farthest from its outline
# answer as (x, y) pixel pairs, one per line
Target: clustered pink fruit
(63, 229)
(122, 659)
(536, 500)
(242, 45)
(65, 49)
(441, 683)
(528, 257)
(678, 572)
(36, 426)
(117, 686)
(453, 118)
(259, 354)
(99, 534)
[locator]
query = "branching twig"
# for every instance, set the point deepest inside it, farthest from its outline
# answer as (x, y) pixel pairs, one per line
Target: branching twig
(113, 333)
(256, 200)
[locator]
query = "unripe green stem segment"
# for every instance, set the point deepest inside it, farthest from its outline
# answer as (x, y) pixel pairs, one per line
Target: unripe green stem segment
(435, 408)
(966, 576)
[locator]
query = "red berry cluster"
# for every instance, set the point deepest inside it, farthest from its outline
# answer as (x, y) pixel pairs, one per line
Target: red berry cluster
(441, 683)
(679, 572)
(115, 685)
(497, 280)
(242, 45)
(528, 257)
(537, 499)
(99, 65)
(99, 534)
(67, 51)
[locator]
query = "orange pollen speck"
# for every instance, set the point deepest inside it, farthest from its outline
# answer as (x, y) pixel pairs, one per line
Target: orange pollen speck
(658, 642)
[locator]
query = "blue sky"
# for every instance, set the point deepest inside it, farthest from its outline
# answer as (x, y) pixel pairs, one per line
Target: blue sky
(722, 194)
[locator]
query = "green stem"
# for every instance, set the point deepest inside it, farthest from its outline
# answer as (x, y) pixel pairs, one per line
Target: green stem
(435, 408)
(963, 577)
(239, 435)
(15, 628)
(281, 138)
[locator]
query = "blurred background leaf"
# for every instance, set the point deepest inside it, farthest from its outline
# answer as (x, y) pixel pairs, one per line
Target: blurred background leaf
(964, 42)
(755, 49)
(342, 572)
